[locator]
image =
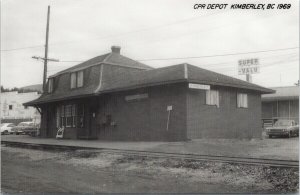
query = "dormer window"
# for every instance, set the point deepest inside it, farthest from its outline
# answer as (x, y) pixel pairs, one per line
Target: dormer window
(76, 79)
(50, 85)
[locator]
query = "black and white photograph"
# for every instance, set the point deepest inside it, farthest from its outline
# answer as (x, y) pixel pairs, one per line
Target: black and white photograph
(149, 97)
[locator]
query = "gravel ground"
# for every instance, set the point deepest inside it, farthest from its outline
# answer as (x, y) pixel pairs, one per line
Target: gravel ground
(82, 171)
(275, 148)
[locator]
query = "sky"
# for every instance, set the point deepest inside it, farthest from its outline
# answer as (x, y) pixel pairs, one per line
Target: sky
(151, 31)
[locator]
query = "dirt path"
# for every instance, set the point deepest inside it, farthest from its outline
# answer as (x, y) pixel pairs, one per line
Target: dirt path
(35, 171)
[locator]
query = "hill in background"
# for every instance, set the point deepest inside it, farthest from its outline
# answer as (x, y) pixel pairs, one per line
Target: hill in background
(37, 87)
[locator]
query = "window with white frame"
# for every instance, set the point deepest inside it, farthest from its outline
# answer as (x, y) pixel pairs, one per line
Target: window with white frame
(62, 114)
(76, 79)
(73, 80)
(68, 115)
(80, 79)
(50, 85)
(80, 116)
(58, 117)
(212, 97)
(71, 115)
(242, 100)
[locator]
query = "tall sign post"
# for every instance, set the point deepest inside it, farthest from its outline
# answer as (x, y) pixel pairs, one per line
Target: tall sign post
(248, 67)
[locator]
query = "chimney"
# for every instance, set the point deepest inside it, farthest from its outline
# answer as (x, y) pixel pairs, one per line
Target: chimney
(116, 49)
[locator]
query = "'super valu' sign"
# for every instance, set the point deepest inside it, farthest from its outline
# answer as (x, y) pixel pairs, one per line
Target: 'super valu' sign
(248, 66)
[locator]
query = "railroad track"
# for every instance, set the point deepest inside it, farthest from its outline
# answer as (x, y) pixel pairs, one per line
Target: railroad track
(196, 157)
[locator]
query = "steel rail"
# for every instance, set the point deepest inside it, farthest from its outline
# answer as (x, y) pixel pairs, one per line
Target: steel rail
(153, 154)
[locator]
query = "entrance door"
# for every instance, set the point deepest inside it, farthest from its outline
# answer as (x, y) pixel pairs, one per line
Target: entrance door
(51, 130)
(92, 130)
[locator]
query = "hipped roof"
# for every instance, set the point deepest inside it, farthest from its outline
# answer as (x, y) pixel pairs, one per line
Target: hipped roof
(143, 78)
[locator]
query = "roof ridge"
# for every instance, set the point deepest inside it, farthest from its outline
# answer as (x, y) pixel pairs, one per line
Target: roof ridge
(136, 62)
(108, 56)
(186, 75)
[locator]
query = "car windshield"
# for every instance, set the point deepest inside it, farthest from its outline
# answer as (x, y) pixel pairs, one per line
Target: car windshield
(282, 123)
(25, 124)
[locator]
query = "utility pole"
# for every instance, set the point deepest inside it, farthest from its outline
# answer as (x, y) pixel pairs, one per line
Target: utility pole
(46, 59)
(46, 51)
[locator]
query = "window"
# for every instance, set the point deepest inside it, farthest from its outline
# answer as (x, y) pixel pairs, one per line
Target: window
(80, 116)
(76, 79)
(10, 107)
(242, 100)
(80, 79)
(212, 97)
(70, 116)
(58, 117)
(73, 80)
(50, 85)
(62, 113)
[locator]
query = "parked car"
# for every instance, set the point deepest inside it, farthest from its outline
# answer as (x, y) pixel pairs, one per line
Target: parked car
(287, 128)
(29, 128)
(6, 128)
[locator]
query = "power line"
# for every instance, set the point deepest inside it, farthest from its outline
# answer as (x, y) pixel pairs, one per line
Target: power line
(232, 68)
(20, 48)
(220, 55)
(205, 56)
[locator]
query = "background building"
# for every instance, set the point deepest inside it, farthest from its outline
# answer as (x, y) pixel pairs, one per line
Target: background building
(284, 104)
(12, 109)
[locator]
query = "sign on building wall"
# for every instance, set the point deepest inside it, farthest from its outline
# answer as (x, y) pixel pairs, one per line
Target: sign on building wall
(248, 66)
(199, 86)
(136, 97)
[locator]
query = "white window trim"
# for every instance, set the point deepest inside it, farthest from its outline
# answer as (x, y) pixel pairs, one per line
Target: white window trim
(73, 79)
(79, 84)
(242, 100)
(76, 84)
(208, 98)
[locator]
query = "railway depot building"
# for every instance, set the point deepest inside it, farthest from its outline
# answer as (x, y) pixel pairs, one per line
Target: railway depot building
(111, 97)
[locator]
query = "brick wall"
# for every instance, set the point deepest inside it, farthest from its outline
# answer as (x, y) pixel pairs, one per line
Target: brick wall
(227, 121)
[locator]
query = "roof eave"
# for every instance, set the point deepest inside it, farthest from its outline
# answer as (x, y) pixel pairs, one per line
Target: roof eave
(37, 103)
(262, 90)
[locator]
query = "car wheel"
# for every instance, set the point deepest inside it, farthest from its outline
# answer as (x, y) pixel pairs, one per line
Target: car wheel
(6, 132)
(270, 136)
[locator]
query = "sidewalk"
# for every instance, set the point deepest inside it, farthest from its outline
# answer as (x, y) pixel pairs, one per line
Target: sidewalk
(281, 148)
